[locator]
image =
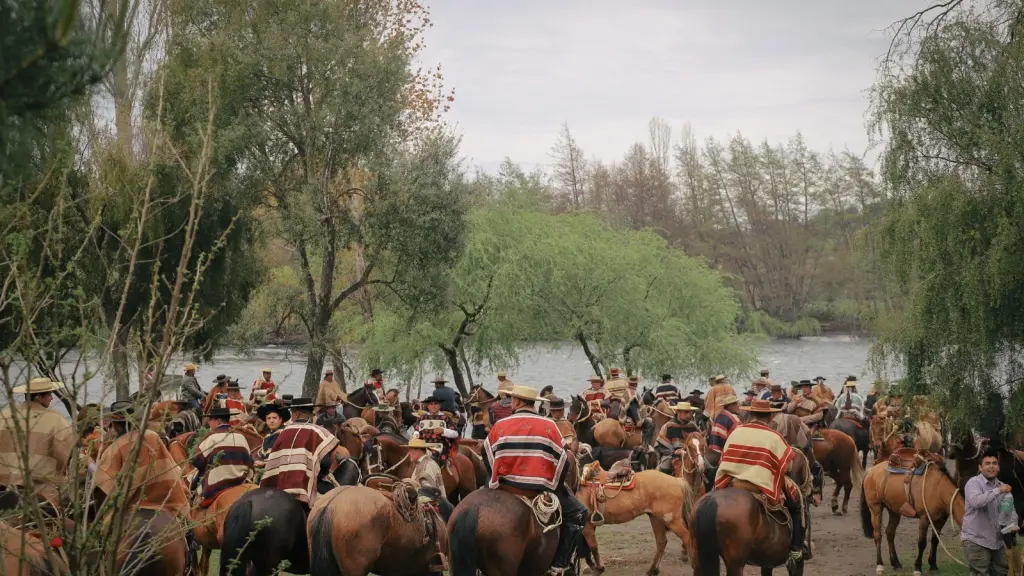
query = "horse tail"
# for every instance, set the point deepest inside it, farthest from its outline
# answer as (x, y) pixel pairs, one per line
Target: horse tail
(856, 470)
(462, 541)
(705, 534)
(321, 556)
(865, 515)
(234, 551)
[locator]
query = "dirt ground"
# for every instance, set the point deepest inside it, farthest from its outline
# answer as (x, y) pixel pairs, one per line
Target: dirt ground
(840, 547)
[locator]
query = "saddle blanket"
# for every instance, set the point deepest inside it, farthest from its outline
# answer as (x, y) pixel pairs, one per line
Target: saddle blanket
(628, 484)
(900, 470)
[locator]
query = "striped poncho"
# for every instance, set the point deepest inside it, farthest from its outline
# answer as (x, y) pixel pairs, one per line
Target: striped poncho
(294, 462)
(223, 460)
(525, 451)
(757, 454)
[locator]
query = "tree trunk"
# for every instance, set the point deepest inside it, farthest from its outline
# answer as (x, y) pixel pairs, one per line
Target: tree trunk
(314, 370)
(452, 356)
(465, 364)
(119, 357)
(595, 362)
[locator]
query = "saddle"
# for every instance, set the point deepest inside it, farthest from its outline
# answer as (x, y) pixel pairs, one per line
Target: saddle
(776, 510)
(854, 420)
(618, 478)
(909, 462)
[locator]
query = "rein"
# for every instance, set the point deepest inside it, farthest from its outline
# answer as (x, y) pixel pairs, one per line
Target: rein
(927, 512)
(380, 462)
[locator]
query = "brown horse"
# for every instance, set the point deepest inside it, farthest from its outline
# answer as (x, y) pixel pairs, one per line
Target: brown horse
(666, 500)
(583, 420)
(731, 524)
(838, 457)
(387, 453)
(935, 497)
(209, 529)
(478, 405)
(153, 543)
(355, 530)
(498, 533)
(611, 433)
(32, 560)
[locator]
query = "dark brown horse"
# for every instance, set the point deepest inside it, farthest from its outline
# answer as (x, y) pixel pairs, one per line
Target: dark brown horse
(360, 399)
(860, 432)
(263, 528)
(837, 455)
(582, 420)
(730, 524)
(497, 533)
(478, 405)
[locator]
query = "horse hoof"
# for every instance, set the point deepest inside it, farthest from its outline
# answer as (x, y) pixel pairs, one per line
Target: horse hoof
(597, 569)
(879, 569)
(653, 572)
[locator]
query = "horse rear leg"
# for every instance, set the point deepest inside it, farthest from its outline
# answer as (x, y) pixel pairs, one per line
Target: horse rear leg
(660, 541)
(922, 542)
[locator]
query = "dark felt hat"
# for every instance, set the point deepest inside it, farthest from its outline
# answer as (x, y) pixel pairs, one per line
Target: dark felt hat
(277, 407)
(305, 403)
(556, 403)
(121, 410)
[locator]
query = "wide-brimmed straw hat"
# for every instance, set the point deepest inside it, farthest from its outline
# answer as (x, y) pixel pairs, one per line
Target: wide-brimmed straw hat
(718, 378)
(684, 407)
(190, 366)
(505, 386)
(850, 384)
(525, 393)
(267, 371)
(38, 386)
(760, 406)
(501, 374)
(595, 379)
(727, 399)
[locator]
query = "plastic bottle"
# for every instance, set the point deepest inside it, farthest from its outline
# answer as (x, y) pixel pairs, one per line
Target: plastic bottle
(1007, 515)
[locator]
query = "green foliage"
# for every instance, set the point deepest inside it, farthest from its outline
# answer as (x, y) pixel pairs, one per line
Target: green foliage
(951, 243)
(759, 322)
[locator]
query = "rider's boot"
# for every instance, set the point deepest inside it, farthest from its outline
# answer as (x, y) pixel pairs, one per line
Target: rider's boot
(796, 543)
(574, 519)
(633, 412)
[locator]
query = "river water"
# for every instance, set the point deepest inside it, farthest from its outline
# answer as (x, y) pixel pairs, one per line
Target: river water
(563, 366)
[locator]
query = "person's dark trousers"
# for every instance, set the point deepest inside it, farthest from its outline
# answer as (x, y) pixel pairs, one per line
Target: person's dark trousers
(574, 519)
(985, 561)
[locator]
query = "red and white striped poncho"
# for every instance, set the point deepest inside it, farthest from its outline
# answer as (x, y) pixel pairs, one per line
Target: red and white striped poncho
(525, 451)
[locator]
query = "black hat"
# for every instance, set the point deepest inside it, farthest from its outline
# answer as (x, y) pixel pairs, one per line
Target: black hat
(217, 412)
(120, 410)
(276, 407)
(750, 393)
(304, 403)
(376, 372)
(431, 398)
(233, 384)
(851, 378)
(556, 403)
(819, 378)
(696, 392)
(221, 379)
(666, 377)
(286, 400)
(806, 383)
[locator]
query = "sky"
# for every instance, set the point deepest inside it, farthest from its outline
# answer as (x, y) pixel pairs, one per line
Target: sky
(767, 69)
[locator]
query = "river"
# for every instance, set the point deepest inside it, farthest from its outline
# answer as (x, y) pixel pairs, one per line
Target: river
(565, 366)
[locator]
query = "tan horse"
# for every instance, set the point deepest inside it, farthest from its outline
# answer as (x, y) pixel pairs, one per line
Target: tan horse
(935, 498)
(209, 529)
(666, 500)
(610, 433)
(355, 530)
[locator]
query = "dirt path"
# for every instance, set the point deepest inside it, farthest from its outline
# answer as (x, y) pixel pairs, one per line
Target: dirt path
(840, 546)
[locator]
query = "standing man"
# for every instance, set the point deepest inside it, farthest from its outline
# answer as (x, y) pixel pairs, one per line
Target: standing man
(330, 394)
(48, 440)
(264, 382)
(190, 389)
(524, 452)
(222, 459)
(981, 534)
(301, 456)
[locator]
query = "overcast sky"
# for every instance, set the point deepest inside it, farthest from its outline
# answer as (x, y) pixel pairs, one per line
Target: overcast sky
(766, 68)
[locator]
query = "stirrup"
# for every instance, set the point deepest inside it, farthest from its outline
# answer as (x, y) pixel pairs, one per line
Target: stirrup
(552, 571)
(597, 518)
(795, 556)
(439, 563)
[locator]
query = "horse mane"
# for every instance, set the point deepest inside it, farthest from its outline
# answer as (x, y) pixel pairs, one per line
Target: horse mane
(358, 396)
(549, 389)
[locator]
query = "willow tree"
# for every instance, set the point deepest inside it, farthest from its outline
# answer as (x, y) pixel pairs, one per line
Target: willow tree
(951, 242)
(338, 129)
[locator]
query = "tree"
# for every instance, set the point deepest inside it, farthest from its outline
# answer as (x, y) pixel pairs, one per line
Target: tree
(335, 128)
(569, 169)
(950, 244)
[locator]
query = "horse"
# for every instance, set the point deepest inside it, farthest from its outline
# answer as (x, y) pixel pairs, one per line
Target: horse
(355, 530)
(478, 404)
(610, 432)
(859, 432)
(638, 458)
(837, 454)
(387, 453)
(32, 560)
(152, 543)
(733, 525)
(936, 498)
(209, 528)
(666, 500)
(582, 419)
(263, 528)
(498, 532)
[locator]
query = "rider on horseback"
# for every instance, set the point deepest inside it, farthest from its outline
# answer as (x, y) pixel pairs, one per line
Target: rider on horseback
(190, 388)
(438, 427)
(672, 433)
(849, 402)
(725, 421)
(595, 395)
(524, 453)
(556, 409)
(303, 442)
(222, 459)
(806, 406)
(667, 391)
(758, 455)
